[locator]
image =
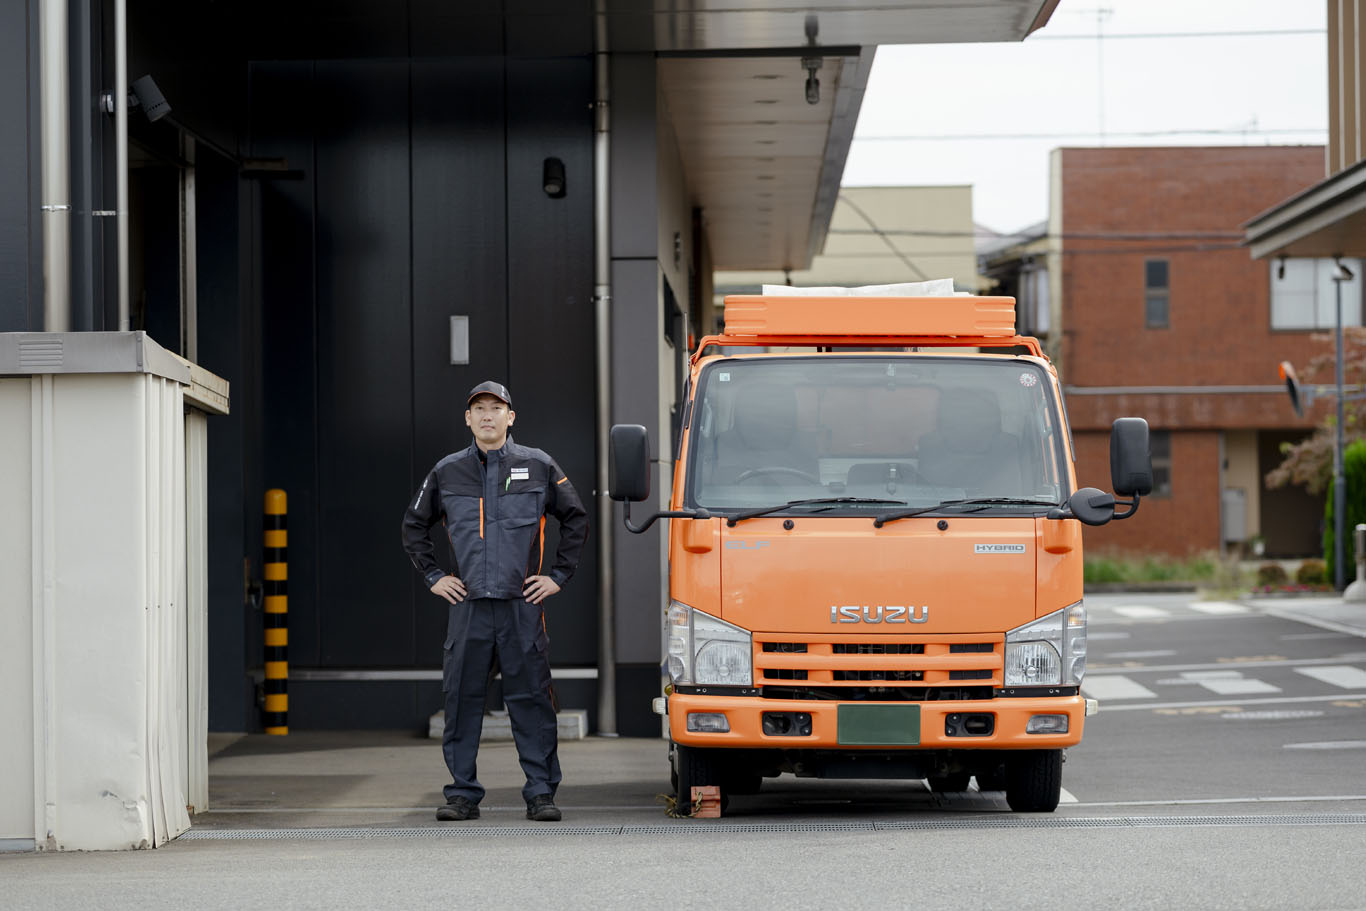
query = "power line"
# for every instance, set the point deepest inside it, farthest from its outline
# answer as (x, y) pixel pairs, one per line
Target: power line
(885, 239)
(1066, 235)
(1252, 33)
(1065, 251)
(959, 137)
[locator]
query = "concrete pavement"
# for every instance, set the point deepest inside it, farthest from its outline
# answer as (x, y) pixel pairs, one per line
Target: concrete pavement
(1328, 612)
(348, 779)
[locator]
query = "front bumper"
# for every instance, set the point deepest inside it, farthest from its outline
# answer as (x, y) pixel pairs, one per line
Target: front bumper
(744, 714)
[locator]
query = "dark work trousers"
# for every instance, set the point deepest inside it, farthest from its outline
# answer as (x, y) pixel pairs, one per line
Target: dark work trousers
(515, 631)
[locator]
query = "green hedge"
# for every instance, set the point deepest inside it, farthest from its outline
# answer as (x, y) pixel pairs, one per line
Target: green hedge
(1150, 568)
(1354, 472)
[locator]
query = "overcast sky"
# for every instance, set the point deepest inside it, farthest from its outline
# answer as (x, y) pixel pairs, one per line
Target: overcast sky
(956, 114)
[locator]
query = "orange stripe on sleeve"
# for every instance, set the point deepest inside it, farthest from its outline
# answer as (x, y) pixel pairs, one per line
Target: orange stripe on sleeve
(561, 480)
(540, 562)
(481, 517)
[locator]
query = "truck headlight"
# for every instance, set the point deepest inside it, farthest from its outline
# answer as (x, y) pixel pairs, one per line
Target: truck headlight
(1050, 651)
(707, 651)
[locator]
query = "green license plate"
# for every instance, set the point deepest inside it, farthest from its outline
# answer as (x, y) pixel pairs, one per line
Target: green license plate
(879, 725)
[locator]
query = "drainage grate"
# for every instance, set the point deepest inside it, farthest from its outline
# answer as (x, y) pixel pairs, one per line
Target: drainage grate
(695, 827)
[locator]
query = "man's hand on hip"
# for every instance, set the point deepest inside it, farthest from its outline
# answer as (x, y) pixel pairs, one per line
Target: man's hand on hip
(450, 588)
(537, 588)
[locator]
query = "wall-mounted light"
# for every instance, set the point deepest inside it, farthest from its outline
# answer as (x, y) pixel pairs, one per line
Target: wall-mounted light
(1341, 273)
(552, 178)
(1280, 268)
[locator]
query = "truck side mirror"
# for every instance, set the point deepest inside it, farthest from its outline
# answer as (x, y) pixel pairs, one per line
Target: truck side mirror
(1131, 463)
(628, 463)
(1091, 506)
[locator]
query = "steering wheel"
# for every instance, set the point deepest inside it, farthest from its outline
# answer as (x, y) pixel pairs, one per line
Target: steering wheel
(776, 469)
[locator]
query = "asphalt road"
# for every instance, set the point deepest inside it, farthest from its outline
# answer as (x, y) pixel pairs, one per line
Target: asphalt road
(1214, 704)
(1226, 769)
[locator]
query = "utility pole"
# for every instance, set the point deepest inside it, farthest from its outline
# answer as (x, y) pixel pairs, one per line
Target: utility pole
(1340, 274)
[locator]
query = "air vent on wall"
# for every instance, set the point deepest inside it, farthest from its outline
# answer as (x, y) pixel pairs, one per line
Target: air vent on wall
(40, 354)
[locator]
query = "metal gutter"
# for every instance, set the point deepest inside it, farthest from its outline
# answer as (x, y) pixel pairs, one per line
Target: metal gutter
(55, 202)
(602, 325)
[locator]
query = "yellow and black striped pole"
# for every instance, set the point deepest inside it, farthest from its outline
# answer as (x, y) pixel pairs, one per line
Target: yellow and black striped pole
(277, 614)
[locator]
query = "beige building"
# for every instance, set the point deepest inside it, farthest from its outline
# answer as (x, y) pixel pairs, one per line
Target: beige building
(881, 235)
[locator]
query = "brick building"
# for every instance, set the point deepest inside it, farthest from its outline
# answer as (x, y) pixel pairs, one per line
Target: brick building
(1156, 310)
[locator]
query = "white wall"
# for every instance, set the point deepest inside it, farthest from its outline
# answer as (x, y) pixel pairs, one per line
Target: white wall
(16, 611)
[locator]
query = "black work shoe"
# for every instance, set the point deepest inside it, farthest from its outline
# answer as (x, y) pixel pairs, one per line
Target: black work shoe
(542, 809)
(458, 810)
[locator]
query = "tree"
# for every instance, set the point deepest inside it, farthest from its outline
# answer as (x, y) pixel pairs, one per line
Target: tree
(1310, 461)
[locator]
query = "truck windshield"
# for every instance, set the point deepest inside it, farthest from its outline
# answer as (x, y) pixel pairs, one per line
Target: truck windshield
(863, 430)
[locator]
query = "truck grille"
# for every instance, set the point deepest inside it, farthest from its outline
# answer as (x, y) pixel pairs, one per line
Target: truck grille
(897, 668)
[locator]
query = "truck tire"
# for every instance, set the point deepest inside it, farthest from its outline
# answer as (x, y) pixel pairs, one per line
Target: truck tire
(1034, 781)
(696, 767)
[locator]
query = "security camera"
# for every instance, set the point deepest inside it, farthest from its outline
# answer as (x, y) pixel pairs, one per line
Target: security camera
(813, 85)
(149, 98)
(143, 93)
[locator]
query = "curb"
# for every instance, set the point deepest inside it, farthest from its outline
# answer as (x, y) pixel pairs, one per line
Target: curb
(1109, 588)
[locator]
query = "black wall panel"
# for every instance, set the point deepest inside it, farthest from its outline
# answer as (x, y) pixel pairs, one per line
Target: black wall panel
(421, 198)
(223, 316)
(21, 293)
(550, 305)
(282, 127)
(154, 257)
(365, 419)
(459, 269)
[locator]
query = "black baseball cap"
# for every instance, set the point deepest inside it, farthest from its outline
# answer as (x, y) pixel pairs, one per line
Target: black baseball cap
(489, 387)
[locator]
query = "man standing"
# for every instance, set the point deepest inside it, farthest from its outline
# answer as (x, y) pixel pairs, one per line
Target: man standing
(493, 498)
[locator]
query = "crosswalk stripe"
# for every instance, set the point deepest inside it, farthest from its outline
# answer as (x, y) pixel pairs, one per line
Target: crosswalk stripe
(1116, 686)
(1228, 682)
(1237, 686)
(1218, 607)
(1142, 612)
(1265, 700)
(1349, 678)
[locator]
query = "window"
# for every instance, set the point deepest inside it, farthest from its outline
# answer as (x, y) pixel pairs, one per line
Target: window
(1155, 294)
(1304, 296)
(1033, 306)
(877, 432)
(1160, 445)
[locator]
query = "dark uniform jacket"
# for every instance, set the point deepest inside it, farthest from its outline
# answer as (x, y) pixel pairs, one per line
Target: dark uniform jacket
(494, 513)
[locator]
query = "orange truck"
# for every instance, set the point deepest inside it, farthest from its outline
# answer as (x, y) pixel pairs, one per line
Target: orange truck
(875, 549)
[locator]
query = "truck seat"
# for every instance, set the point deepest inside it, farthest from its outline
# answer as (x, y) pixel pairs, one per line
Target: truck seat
(967, 448)
(764, 435)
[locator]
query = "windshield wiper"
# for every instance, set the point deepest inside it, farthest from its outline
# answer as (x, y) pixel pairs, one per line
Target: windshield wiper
(833, 501)
(982, 502)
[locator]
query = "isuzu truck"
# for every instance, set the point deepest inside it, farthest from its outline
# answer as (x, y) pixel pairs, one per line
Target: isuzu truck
(875, 548)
